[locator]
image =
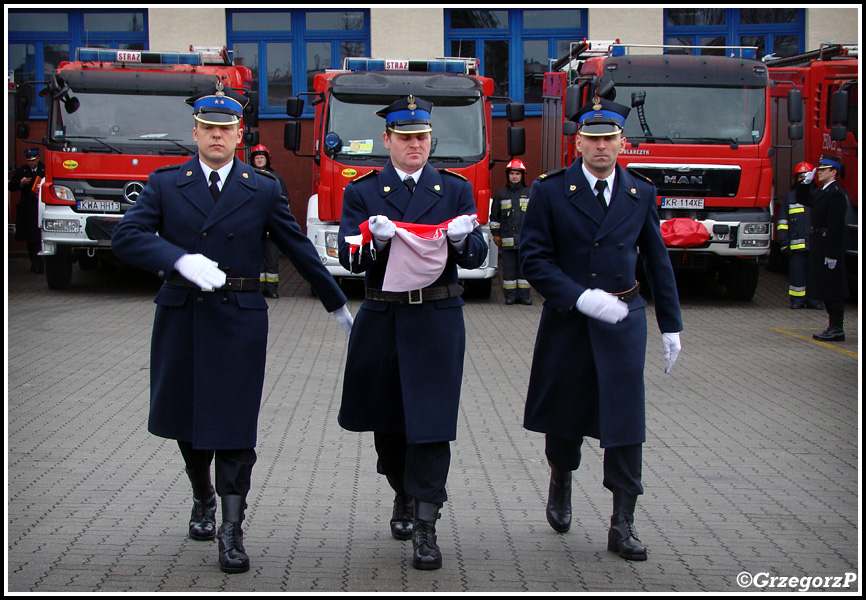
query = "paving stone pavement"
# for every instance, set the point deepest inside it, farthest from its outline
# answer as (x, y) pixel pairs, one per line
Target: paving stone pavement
(751, 467)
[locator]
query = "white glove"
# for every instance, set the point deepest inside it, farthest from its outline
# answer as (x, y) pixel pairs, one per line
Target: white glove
(382, 228)
(460, 227)
(810, 176)
(600, 305)
(830, 262)
(344, 318)
(200, 270)
(672, 349)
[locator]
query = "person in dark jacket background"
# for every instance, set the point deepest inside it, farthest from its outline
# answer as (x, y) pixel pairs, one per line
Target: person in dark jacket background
(27, 227)
(210, 331)
(506, 219)
(828, 276)
(270, 277)
(794, 228)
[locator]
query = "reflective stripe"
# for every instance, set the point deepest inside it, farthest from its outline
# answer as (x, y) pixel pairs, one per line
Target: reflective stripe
(793, 210)
(509, 241)
(796, 291)
(522, 283)
(510, 284)
(269, 278)
(494, 224)
(798, 244)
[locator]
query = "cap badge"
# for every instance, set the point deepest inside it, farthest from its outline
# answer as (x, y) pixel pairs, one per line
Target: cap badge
(596, 103)
(412, 105)
(219, 89)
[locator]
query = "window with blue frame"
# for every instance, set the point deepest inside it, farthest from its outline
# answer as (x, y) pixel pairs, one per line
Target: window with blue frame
(39, 40)
(777, 31)
(514, 47)
(285, 49)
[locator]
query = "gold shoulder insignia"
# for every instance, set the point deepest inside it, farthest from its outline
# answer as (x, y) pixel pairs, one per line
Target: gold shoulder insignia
(365, 175)
(453, 173)
(551, 173)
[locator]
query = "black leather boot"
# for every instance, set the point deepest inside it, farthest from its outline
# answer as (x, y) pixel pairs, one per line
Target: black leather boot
(831, 334)
(404, 506)
(426, 555)
(559, 500)
(622, 536)
(233, 557)
(202, 521)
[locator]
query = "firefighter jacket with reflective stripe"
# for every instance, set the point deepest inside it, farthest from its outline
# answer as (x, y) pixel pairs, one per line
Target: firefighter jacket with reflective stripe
(794, 224)
(506, 214)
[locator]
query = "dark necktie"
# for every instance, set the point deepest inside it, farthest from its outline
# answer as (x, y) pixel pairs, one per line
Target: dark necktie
(600, 186)
(409, 182)
(214, 187)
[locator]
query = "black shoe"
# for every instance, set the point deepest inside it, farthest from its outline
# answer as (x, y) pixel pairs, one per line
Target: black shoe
(233, 556)
(270, 291)
(202, 521)
(622, 536)
(425, 552)
(509, 301)
(814, 305)
(798, 305)
(831, 334)
(559, 500)
(401, 518)
(525, 301)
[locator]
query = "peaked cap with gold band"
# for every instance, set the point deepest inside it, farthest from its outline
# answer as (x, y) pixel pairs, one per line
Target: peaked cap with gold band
(408, 115)
(601, 117)
(218, 106)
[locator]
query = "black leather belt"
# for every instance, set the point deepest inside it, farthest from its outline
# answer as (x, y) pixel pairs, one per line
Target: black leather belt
(428, 294)
(629, 294)
(232, 284)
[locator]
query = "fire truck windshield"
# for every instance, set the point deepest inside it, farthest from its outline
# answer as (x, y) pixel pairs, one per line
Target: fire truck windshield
(124, 123)
(693, 115)
(457, 138)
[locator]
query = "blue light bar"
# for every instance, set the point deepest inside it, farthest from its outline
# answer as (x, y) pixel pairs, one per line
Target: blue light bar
(137, 56)
(444, 65)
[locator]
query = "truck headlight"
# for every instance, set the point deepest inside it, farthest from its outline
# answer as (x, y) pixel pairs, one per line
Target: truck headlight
(64, 193)
(61, 225)
(332, 245)
(756, 228)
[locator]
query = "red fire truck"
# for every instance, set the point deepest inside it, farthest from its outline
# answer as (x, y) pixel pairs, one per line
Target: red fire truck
(348, 139)
(114, 116)
(826, 84)
(699, 129)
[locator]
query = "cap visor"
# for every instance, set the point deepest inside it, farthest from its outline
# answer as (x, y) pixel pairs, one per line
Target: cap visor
(599, 129)
(217, 118)
(411, 128)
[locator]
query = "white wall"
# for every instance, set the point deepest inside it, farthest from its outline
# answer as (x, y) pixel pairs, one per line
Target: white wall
(410, 33)
(175, 29)
(841, 25)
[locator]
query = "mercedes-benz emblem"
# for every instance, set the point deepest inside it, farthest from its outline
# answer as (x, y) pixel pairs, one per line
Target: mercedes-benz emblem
(132, 190)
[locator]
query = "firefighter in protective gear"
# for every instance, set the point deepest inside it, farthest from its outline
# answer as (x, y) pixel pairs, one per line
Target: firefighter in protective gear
(506, 219)
(270, 275)
(793, 229)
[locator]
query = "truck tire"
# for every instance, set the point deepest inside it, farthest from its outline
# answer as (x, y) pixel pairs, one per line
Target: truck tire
(741, 279)
(58, 272)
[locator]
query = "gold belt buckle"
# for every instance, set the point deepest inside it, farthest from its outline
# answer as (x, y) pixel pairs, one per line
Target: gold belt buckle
(416, 296)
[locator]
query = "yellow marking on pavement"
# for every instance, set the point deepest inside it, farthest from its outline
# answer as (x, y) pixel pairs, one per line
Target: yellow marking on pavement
(814, 341)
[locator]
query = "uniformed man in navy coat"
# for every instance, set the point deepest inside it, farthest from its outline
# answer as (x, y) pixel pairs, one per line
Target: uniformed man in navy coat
(405, 362)
(582, 234)
(210, 331)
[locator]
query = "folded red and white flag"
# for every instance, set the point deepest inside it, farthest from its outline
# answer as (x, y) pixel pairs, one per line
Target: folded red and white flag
(417, 257)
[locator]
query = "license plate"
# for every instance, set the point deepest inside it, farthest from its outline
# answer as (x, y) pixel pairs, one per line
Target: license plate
(104, 206)
(690, 203)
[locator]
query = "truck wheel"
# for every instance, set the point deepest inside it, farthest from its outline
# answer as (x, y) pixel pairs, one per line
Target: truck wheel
(741, 279)
(58, 272)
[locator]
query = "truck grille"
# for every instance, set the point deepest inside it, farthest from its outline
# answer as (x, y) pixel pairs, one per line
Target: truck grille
(703, 181)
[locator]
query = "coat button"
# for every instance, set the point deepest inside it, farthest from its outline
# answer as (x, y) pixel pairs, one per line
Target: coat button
(593, 276)
(620, 246)
(595, 245)
(199, 299)
(204, 234)
(231, 236)
(225, 300)
(618, 277)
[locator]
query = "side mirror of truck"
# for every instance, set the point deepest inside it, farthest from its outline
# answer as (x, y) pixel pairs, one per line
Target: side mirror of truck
(795, 131)
(516, 141)
(569, 128)
(251, 110)
(251, 138)
(292, 136)
(514, 111)
(295, 107)
(23, 131)
(840, 107)
(572, 101)
(795, 106)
